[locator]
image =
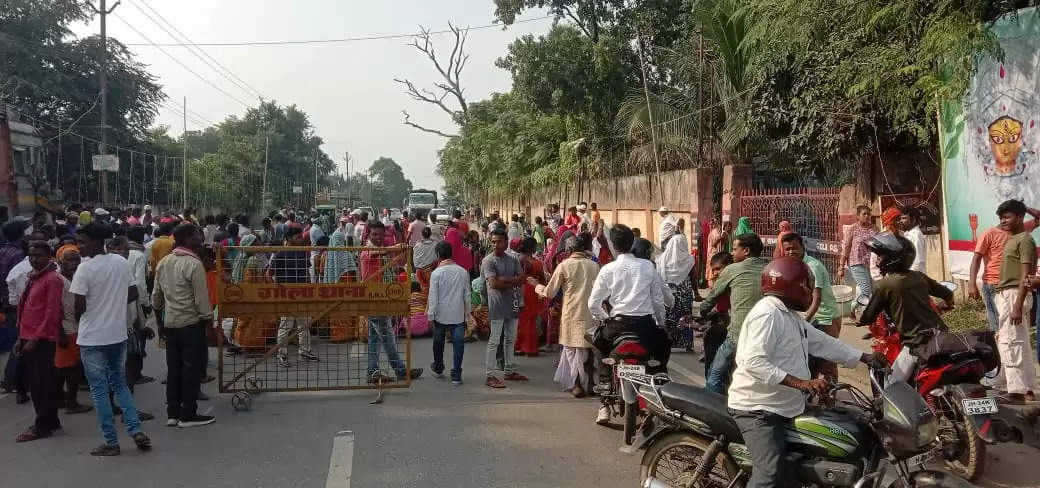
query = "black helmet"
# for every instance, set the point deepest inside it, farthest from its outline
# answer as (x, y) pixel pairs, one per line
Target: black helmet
(895, 253)
(642, 248)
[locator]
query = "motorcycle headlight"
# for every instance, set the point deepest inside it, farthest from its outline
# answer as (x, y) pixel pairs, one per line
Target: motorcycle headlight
(927, 432)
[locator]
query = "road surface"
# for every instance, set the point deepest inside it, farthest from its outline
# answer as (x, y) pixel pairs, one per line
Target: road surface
(433, 435)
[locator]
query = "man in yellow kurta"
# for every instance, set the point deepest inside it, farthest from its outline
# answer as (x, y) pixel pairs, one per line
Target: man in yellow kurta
(575, 276)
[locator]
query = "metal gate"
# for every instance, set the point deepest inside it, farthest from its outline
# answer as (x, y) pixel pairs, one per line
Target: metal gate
(293, 328)
(813, 212)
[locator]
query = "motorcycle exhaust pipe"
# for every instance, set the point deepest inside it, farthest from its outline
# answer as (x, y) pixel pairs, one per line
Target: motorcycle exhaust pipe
(652, 482)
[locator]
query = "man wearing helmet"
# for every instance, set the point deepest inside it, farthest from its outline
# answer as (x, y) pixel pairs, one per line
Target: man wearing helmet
(904, 295)
(772, 374)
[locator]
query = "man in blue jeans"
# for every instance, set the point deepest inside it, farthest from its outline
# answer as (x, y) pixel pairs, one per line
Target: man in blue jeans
(379, 267)
(743, 281)
(448, 306)
(854, 253)
(102, 286)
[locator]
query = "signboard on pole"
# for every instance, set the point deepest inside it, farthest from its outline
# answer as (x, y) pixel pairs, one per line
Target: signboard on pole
(297, 189)
(988, 151)
(106, 162)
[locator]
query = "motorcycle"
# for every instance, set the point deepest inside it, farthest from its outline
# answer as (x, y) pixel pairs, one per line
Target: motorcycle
(690, 440)
(625, 350)
(951, 389)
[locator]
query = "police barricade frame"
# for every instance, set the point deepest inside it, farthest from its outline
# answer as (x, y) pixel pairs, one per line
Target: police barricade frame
(350, 297)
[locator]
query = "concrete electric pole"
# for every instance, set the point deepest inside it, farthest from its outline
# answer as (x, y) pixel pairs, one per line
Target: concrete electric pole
(103, 88)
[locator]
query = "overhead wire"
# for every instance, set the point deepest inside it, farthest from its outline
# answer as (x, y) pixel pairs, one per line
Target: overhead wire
(252, 92)
(179, 62)
(328, 41)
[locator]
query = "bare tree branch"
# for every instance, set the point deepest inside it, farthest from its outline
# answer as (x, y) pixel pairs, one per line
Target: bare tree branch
(450, 71)
(424, 129)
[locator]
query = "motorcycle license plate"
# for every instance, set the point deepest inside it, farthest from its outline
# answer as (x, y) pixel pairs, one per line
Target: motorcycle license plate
(921, 459)
(979, 406)
(630, 370)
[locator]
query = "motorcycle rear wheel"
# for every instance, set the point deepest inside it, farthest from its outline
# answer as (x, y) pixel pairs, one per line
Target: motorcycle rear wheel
(674, 457)
(970, 460)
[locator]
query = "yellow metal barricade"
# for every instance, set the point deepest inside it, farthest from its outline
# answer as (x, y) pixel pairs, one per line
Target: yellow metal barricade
(312, 318)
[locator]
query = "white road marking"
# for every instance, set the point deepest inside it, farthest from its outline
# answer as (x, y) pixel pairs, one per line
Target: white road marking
(341, 461)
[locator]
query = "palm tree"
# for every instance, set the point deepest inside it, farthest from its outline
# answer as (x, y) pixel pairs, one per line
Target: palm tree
(724, 75)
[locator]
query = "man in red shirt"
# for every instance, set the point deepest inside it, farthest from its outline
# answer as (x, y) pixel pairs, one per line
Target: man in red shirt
(461, 224)
(39, 322)
(379, 267)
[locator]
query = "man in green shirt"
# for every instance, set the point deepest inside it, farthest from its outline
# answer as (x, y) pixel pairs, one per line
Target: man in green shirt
(823, 310)
(743, 281)
(1013, 298)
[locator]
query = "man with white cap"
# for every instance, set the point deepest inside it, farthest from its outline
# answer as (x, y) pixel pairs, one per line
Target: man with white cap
(146, 219)
(583, 214)
(101, 215)
(668, 225)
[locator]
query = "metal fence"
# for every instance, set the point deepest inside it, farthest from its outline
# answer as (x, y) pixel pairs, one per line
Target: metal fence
(313, 318)
(812, 212)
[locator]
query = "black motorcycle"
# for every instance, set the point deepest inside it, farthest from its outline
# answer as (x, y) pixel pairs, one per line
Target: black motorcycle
(626, 351)
(690, 440)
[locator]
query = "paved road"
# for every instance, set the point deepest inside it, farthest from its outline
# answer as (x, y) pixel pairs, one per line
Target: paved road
(432, 435)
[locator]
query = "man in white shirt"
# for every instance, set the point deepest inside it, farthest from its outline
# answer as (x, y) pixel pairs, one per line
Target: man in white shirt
(103, 285)
(447, 307)
(910, 221)
(359, 227)
(772, 374)
(635, 292)
(668, 225)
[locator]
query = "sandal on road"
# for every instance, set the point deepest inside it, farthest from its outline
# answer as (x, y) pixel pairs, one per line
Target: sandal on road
(29, 436)
(495, 382)
(516, 377)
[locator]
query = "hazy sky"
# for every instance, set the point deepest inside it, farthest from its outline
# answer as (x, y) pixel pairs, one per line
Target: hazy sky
(346, 88)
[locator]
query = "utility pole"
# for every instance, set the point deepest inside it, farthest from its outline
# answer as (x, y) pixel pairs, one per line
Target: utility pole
(267, 147)
(649, 112)
(315, 177)
(184, 162)
(103, 88)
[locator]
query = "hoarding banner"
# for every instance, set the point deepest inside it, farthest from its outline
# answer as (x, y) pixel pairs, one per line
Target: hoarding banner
(988, 143)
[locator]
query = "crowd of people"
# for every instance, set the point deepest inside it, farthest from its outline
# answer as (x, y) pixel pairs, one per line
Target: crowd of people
(83, 292)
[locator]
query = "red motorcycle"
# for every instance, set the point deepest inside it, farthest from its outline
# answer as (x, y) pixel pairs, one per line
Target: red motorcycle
(950, 386)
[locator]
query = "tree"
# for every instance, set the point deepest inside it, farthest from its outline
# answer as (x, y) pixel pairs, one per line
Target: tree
(846, 79)
(52, 79)
(591, 16)
(505, 145)
(566, 73)
(390, 186)
(450, 73)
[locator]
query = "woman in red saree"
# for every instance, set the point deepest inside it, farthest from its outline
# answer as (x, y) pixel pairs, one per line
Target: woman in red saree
(527, 326)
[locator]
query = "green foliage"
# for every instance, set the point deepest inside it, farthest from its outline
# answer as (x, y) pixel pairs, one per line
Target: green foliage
(841, 78)
(967, 315)
(504, 142)
(800, 88)
(565, 73)
(391, 187)
(49, 76)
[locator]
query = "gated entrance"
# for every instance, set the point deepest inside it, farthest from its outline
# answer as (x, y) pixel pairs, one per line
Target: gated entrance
(813, 212)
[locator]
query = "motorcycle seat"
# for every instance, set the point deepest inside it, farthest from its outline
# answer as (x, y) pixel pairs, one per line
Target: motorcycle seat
(706, 406)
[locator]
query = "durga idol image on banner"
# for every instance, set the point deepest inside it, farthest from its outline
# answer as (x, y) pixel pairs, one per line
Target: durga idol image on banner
(988, 145)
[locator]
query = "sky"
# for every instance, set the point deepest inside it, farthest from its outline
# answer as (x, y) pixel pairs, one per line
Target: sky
(347, 89)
